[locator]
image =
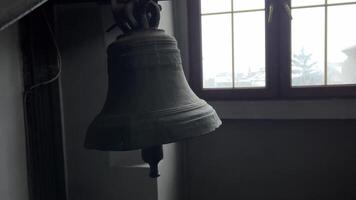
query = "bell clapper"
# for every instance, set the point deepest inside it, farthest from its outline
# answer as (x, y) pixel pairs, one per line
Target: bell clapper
(153, 155)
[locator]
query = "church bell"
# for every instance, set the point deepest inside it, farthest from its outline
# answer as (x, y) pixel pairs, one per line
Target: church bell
(149, 102)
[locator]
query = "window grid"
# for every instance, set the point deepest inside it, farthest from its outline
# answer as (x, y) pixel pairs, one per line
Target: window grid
(326, 5)
(278, 60)
(326, 73)
(233, 43)
(232, 12)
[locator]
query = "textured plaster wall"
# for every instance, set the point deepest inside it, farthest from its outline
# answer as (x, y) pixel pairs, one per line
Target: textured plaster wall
(274, 159)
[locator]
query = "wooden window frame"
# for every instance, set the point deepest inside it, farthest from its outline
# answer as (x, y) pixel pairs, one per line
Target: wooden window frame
(278, 63)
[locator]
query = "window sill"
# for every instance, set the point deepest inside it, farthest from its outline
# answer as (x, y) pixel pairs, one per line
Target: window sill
(287, 109)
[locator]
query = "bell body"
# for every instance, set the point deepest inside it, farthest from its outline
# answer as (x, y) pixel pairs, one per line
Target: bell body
(149, 101)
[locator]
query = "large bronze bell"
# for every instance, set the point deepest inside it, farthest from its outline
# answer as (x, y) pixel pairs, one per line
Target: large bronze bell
(149, 102)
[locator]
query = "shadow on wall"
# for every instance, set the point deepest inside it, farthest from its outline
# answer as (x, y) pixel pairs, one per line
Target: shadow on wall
(274, 159)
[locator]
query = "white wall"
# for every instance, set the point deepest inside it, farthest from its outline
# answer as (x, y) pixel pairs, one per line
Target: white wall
(13, 175)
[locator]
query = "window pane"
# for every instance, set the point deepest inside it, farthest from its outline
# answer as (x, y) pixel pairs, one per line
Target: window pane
(308, 38)
(249, 34)
(340, 1)
(211, 6)
(217, 51)
(248, 4)
(296, 3)
(341, 45)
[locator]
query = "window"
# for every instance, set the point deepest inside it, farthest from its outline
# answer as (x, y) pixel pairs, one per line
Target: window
(241, 58)
(272, 48)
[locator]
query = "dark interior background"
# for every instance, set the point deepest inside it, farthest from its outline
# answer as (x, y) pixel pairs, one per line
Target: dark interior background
(274, 159)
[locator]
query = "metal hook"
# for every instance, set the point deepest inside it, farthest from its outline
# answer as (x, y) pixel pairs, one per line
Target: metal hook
(133, 15)
(150, 14)
(288, 10)
(270, 12)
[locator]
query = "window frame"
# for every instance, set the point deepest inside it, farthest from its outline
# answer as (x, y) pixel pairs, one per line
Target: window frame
(278, 63)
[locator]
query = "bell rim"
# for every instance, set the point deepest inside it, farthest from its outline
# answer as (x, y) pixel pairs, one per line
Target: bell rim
(158, 113)
(189, 128)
